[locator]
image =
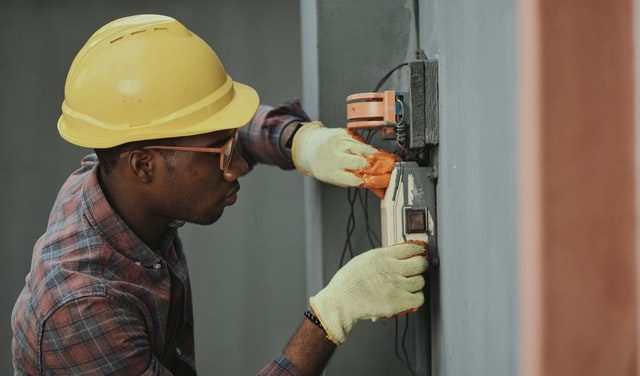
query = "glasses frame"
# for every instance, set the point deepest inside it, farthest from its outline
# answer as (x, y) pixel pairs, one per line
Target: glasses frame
(225, 162)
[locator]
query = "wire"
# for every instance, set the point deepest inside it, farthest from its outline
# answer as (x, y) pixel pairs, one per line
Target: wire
(404, 337)
(351, 224)
(395, 319)
(374, 239)
(353, 195)
(420, 55)
(386, 76)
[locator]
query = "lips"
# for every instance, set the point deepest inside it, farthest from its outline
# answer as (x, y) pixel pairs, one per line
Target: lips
(232, 196)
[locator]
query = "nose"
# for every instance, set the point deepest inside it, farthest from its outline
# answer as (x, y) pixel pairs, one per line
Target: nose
(237, 168)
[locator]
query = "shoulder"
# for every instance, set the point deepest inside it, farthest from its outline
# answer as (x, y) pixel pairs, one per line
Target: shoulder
(69, 257)
(66, 265)
(69, 198)
(95, 315)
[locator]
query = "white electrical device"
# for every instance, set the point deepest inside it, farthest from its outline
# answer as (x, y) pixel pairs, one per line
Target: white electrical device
(408, 207)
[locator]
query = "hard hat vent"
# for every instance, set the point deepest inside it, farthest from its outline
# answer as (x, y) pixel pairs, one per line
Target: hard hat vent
(138, 32)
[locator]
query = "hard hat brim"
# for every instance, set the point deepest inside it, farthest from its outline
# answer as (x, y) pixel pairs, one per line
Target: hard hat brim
(235, 114)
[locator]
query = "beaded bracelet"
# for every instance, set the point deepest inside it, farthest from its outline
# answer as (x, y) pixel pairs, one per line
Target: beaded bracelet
(313, 319)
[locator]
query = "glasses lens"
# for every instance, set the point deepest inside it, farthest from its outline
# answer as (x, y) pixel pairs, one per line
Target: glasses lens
(227, 153)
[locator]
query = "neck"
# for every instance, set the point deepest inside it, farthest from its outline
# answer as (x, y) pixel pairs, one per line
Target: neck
(133, 208)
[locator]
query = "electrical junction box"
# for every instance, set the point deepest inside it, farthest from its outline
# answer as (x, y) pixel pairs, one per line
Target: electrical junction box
(408, 208)
(408, 212)
(411, 118)
(424, 119)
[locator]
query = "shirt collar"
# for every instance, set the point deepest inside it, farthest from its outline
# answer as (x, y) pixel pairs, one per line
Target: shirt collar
(103, 218)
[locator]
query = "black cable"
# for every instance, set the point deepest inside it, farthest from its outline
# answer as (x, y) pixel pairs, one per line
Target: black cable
(420, 55)
(353, 195)
(374, 240)
(370, 134)
(395, 319)
(404, 154)
(352, 217)
(351, 224)
(404, 337)
(386, 76)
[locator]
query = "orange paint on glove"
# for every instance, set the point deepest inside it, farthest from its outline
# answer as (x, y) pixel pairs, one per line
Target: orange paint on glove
(341, 157)
(377, 174)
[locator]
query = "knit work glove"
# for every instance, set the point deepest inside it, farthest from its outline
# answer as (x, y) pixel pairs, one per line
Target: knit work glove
(340, 157)
(381, 282)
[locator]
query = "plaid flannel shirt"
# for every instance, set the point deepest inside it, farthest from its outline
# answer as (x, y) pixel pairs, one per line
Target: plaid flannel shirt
(260, 141)
(97, 300)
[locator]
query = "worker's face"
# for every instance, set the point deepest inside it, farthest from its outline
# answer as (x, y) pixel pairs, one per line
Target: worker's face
(195, 188)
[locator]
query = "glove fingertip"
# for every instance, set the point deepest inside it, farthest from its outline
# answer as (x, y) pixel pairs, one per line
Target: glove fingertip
(418, 299)
(355, 162)
(362, 149)
(406, 250)
(349, 179)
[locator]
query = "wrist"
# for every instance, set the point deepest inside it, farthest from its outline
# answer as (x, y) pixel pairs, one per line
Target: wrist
(309, 349)
(302, 147)
(335, 326)
(287, 135)
(312, 317)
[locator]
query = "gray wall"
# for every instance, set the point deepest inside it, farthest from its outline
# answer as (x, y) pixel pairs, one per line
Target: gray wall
(252, 261)
(357, 43)
(475, 43)
(475, 330)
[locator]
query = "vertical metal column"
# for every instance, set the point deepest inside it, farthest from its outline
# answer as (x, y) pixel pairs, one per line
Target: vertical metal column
(312, 189)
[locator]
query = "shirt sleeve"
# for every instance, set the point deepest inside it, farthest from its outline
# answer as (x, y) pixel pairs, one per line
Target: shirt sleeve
(263, 139)
(280, 366)
(95, 335)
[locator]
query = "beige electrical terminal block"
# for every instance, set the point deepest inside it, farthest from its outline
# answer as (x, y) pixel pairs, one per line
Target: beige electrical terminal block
(371, 110)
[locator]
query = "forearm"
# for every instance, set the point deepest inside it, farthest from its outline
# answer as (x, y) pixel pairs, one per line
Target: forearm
(264, 139)
(309, 348)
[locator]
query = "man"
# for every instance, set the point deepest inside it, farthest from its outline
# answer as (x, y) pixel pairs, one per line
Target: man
(108, 291)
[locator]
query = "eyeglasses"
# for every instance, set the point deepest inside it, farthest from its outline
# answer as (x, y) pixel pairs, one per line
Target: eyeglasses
(226, 151)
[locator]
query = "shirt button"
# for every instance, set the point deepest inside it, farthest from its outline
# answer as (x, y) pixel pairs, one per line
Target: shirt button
(179, 351)
(138, 263)
(157, 266)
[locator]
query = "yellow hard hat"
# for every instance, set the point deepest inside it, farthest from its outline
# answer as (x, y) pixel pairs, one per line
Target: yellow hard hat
(147, 77)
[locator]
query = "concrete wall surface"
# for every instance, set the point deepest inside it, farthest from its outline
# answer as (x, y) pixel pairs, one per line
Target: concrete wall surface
(248, 269)
(475, 308)
(475, 44)
(357, 43)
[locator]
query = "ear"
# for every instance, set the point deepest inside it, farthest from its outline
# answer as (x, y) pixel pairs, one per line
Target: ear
(142, 164)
